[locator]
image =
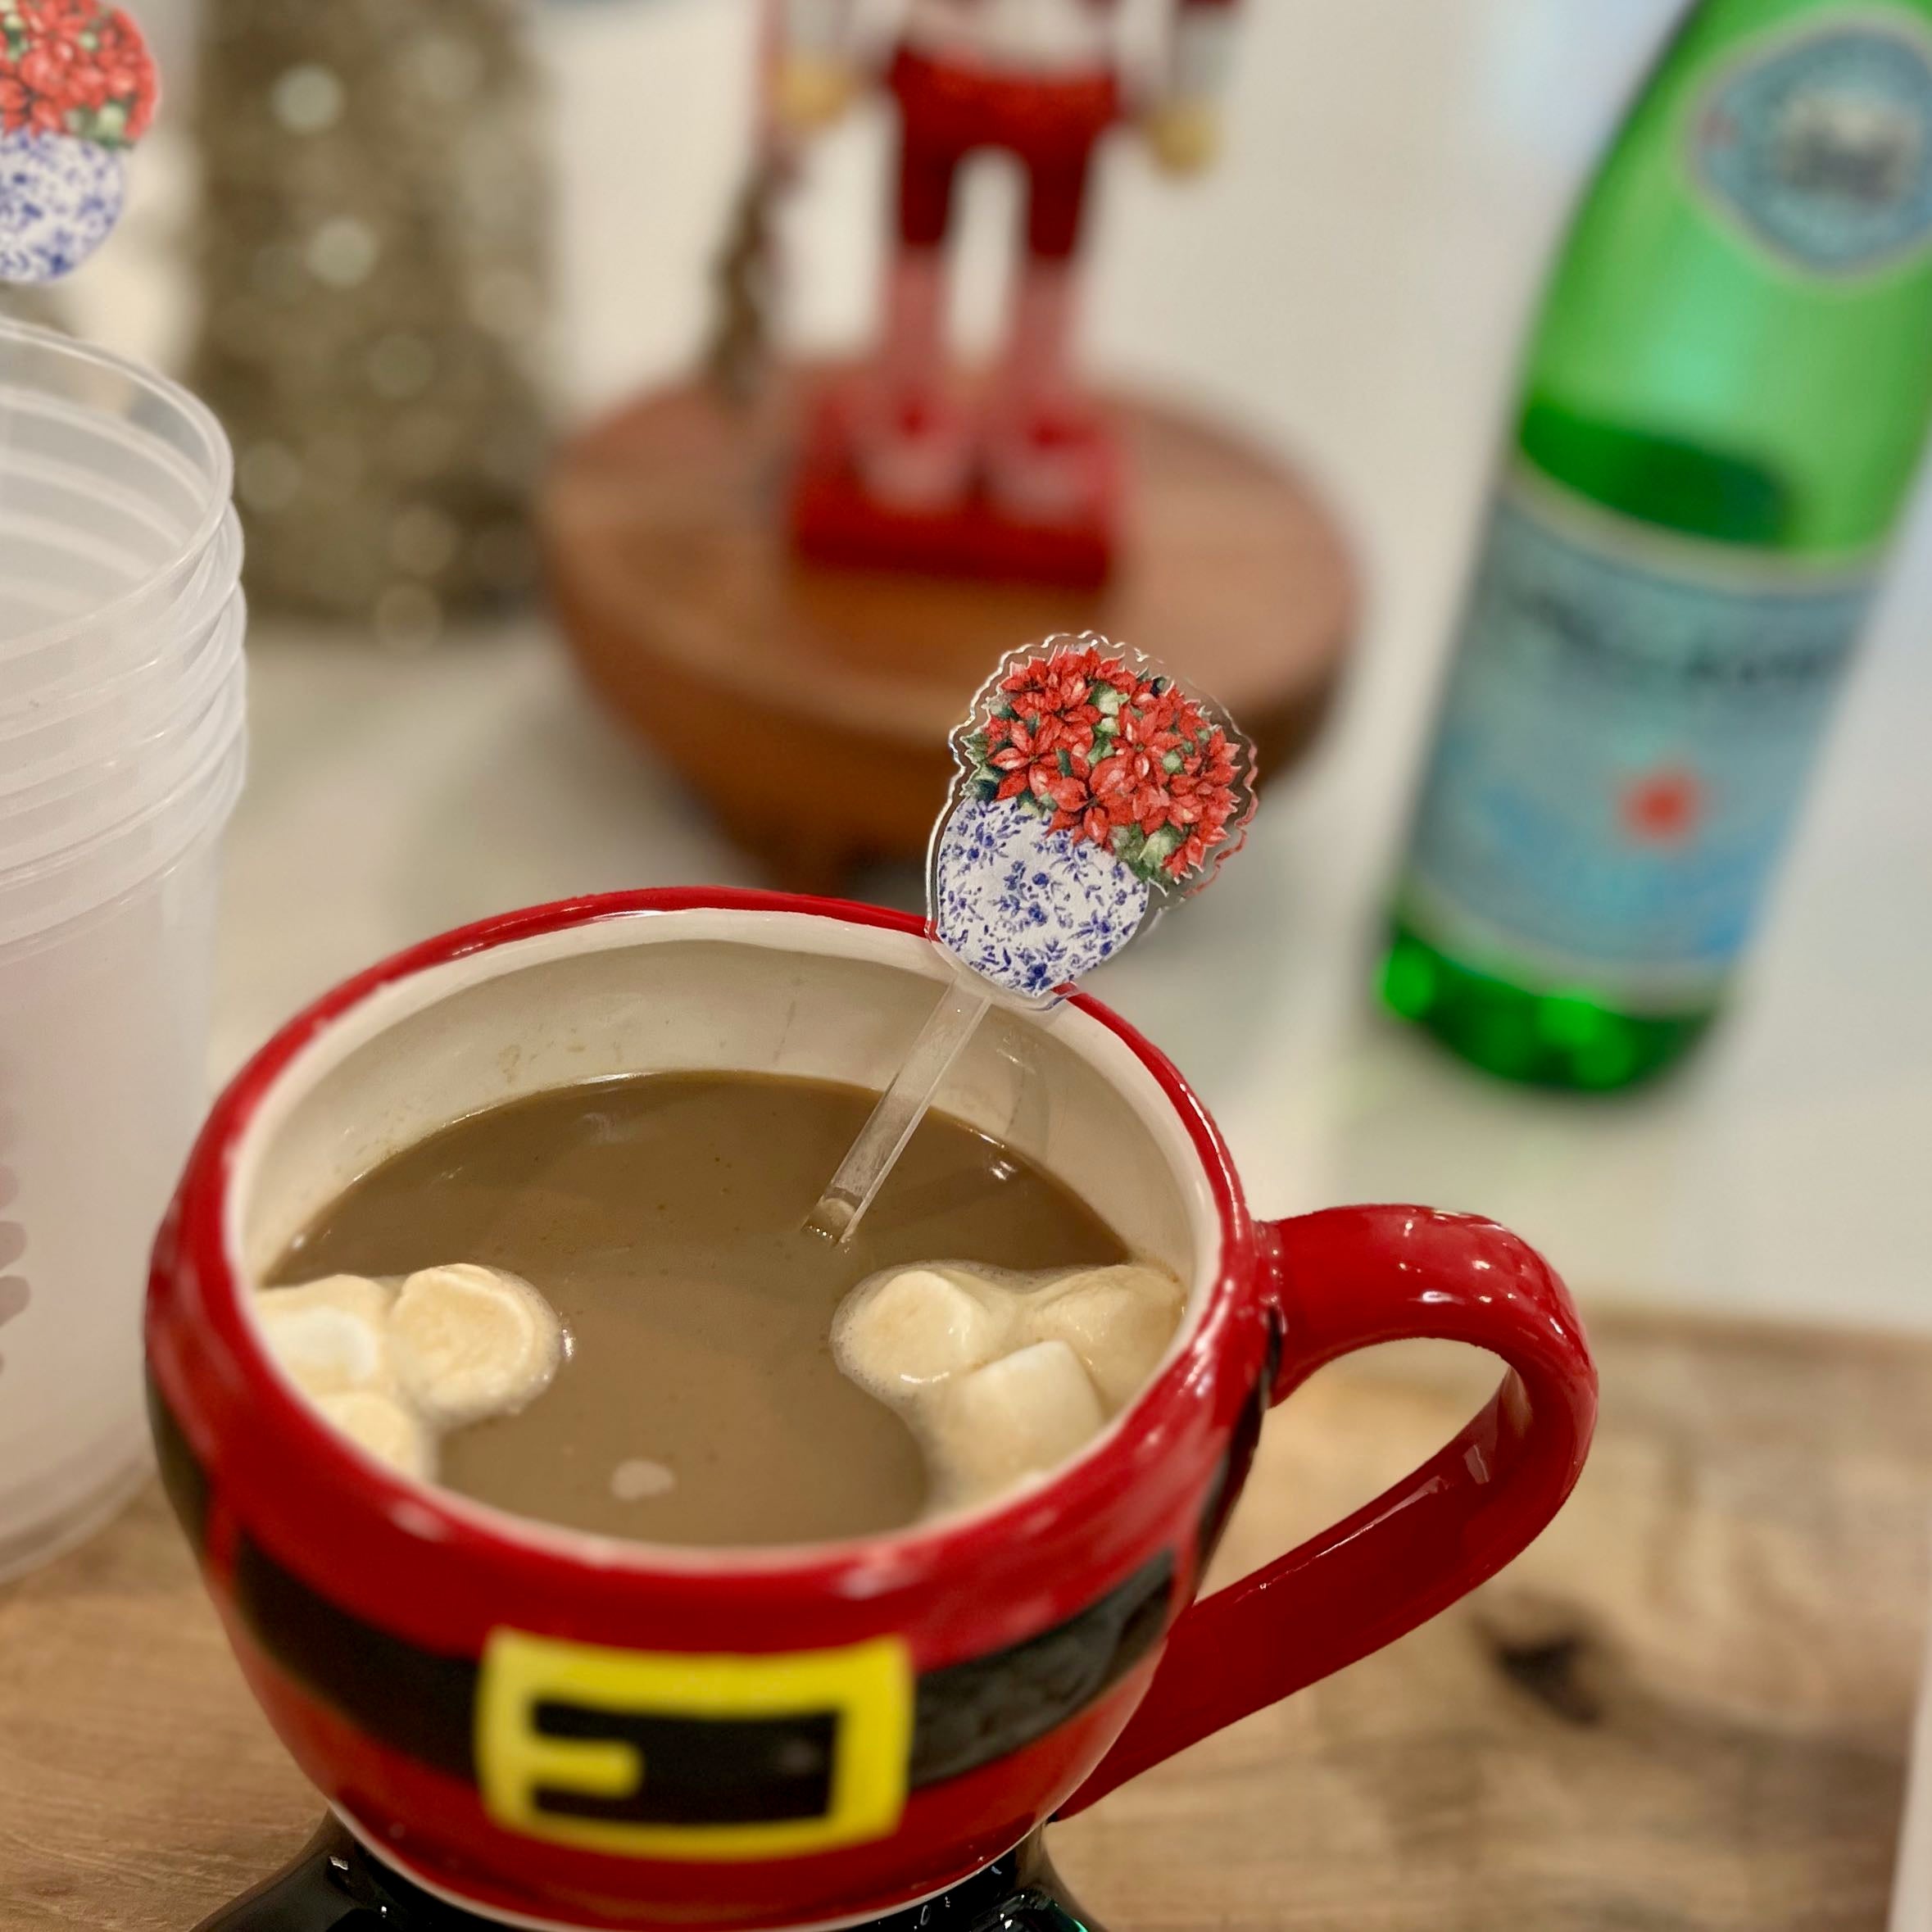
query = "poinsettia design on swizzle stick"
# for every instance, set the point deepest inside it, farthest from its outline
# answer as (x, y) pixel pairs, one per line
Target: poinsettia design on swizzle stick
(1095, 791)
(77, 89)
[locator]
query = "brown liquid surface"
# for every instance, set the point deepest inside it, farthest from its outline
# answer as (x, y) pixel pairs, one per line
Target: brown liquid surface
(662, 1217)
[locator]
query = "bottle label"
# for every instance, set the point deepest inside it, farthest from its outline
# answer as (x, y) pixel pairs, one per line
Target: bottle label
(1625, 736)
(1820, 144)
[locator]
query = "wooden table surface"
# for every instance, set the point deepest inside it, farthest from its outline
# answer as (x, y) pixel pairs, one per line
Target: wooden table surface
(1687, 1707)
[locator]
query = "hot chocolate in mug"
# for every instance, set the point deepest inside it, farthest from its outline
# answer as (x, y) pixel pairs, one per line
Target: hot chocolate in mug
(551, 1728)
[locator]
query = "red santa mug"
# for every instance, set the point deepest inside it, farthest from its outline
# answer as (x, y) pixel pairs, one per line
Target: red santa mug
(548, 1727)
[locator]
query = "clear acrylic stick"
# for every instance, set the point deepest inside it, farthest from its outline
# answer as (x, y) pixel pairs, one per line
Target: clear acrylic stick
(901, 1109)
(1092, 791)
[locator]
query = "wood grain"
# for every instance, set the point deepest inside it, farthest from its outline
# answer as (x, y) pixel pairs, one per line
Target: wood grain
(809, 708)
(1687, 1707)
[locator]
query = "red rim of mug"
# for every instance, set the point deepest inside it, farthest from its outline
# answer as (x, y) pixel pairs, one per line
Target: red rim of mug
(1089, 1483)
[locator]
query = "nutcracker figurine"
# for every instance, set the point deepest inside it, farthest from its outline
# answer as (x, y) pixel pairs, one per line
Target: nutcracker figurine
(1023, 480)
(935, 514)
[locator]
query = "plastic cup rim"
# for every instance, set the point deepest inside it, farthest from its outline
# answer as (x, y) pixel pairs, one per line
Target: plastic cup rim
(220, 479)
(219, 783)
(140, 717)
(91, 809)
(76, 856)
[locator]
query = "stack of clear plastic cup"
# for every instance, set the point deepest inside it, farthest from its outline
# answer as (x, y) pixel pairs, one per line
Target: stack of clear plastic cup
(121, 753)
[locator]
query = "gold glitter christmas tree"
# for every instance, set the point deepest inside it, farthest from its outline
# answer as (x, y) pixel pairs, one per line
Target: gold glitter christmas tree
(372, 267)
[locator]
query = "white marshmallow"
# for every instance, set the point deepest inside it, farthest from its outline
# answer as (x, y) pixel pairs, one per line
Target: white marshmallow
(469, 1342)
(1004, 1376)
(330, 1334)
(383, 1427)
(1019, 1417)
(1118, 1321)
(900, 1331)
(639, 1479)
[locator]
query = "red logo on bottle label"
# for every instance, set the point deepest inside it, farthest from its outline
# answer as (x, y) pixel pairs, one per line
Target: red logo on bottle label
(1663, 808)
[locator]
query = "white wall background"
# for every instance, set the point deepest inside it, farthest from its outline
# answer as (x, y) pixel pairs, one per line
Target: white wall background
(1351, 285)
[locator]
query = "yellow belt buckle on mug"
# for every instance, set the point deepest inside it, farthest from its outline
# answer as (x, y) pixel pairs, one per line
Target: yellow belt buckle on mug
(562, 1750)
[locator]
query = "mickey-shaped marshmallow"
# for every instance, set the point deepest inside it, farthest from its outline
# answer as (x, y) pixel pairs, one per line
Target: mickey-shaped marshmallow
(395, 1369)
(1003, 1376)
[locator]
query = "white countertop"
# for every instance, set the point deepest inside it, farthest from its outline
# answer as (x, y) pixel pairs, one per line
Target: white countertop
(1352, 284)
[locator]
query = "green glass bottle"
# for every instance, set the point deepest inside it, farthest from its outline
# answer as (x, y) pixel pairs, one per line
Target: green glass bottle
(1727, 392)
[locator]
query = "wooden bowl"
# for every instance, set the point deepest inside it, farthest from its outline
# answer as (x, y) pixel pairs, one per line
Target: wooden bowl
(811, 707)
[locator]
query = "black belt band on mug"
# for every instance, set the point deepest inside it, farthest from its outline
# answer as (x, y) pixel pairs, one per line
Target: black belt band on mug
(706, 1771)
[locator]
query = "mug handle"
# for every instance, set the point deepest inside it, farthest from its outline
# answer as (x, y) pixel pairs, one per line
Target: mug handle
(1345, 1279)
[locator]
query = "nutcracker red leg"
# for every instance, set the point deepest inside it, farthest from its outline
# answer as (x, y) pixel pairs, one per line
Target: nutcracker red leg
(913, 446)
(1045, 460)
(912, 358)
(895, 470)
